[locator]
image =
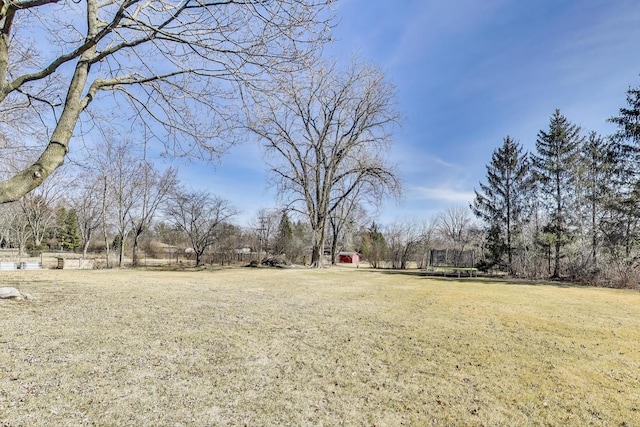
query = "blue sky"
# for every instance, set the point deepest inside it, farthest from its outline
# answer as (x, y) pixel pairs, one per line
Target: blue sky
(467, 73)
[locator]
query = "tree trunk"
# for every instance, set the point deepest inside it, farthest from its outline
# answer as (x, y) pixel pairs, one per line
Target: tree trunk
(334, 245)
(559, 224)
(509, 244)
(134, 249)
(317, 253)
(594, 235)
(104, 221)
(85, 247)
(556, 266)
(121, 251)
(106, 246)
(136, 238)
(54, 154)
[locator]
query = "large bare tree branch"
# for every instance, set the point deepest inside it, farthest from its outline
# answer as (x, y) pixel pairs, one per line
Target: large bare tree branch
(325, 134)
(182, 65)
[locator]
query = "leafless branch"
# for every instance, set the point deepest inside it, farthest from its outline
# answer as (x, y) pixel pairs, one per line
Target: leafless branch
(177, 55)
(325, 132)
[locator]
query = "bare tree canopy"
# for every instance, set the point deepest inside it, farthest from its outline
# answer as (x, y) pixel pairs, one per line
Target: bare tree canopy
(155, 187)
(327, 133)
(201, 216)
(455, 226)
(86, 203)
(174, 68)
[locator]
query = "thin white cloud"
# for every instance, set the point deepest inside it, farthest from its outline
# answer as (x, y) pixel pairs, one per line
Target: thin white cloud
(444, 163)
(411, 160)
(443, 194)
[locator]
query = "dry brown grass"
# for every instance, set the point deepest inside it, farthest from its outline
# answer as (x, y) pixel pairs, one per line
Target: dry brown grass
(305, 347)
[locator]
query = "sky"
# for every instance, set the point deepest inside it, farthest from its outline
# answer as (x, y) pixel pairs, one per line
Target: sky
(467, 73)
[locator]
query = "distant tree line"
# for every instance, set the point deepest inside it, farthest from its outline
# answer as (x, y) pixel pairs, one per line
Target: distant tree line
(325, 131)
(182, 84)
(567, 210)
(570, 209)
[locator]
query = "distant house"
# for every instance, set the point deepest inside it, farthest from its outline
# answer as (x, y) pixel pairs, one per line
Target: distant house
(348, 258)
(163, 250)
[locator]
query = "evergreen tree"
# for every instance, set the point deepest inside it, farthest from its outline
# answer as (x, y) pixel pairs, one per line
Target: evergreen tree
(67, 231)
(493, 250)
(598, 166)
(71, 236)
(284, 235)
(501, 202)
(374, 245)
(300, 238)
(554, 170)
(628, 122)
(622, 225)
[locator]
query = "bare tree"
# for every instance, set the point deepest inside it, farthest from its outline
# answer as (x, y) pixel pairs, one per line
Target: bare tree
(178, 66)
(429, 239)
(104, 199)
(87, 203)
(348, 215)
(404, 240)
(168, 233)
(374, 246)
(124, 189)
(455, 226)
(201, 216)
(39, 211)
(16, 225)
(264, 227)
(327, 132)
(5, 220)
(226, 242)
(115, 174)
(154, 188)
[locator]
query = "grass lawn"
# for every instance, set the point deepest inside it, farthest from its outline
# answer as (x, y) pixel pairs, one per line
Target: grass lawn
(299, 347)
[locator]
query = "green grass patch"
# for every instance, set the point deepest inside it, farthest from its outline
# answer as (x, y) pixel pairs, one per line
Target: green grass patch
(306, 347)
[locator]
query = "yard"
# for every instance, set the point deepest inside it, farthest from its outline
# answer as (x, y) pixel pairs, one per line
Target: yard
(339, 346)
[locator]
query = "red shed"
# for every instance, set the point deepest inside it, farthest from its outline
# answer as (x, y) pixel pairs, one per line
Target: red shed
(348, 258)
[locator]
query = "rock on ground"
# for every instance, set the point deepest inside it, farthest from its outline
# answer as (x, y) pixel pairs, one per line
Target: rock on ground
(7, 292)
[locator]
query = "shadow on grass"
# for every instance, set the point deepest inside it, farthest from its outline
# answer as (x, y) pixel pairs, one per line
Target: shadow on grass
(480, 279)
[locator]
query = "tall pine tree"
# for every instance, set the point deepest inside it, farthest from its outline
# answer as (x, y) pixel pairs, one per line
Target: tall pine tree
(623, 225)
(628, 121)
(501, 202)
(598, 165)
(554, 170)
(67, 231)
(284, 235)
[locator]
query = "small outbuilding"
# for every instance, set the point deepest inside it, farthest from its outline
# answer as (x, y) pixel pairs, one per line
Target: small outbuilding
(348, 258)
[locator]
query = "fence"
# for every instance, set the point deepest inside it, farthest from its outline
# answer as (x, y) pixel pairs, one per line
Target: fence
(11, 259)
(8, 265)
(451, 258)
